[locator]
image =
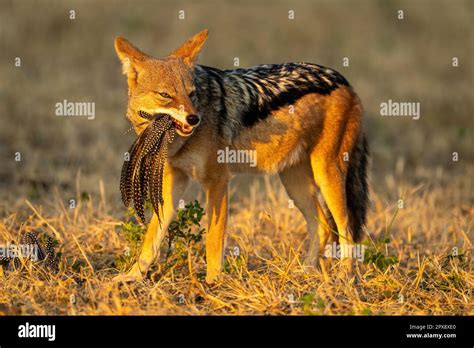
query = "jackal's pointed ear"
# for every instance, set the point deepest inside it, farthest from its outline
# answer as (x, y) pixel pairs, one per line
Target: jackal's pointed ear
(191, 48)
(130, 56)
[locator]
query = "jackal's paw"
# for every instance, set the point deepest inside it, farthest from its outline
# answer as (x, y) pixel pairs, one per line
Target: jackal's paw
(134, 275)
(310, 263)
(345, 269)
(212, 277)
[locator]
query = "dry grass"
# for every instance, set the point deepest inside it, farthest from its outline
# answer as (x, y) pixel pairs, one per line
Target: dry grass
(268, 277)
(407, 60)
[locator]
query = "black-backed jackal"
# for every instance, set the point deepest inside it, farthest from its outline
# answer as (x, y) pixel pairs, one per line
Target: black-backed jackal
(302, 120)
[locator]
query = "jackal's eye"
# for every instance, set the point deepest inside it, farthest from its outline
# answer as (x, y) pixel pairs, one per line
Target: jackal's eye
(164, 95)
(192, 94)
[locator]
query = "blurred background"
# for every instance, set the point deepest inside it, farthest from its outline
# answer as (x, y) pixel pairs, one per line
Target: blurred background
(408, 60)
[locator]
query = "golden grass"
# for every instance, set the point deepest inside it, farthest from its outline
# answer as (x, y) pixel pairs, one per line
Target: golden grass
(268, 277)
(407, 60)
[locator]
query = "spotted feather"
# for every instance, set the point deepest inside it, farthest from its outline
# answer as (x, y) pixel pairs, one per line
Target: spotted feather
(142, 175)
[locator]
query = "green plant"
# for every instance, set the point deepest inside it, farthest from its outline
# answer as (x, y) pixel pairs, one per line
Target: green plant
(133, 233)
(184, 232)
(307, 300)
(85, 196)
(373, 255)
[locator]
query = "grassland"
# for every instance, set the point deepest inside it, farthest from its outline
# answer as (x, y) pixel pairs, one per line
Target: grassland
(264, 270)
(72, 158)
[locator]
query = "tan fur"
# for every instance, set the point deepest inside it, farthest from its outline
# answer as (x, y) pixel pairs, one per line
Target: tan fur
(307, 150)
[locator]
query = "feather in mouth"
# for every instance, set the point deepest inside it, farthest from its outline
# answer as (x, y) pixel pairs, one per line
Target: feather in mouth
(181, 128)
(142, 174)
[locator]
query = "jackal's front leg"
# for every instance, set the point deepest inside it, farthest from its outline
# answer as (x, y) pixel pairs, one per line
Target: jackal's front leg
(174, 185)
(217, 211)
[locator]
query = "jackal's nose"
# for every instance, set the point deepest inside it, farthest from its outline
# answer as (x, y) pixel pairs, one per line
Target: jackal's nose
(192, 119)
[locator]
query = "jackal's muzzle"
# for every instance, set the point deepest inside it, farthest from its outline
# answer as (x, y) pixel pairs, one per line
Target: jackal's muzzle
(182, 128)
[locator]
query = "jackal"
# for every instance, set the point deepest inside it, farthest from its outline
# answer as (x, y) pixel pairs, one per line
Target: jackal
(302, 120)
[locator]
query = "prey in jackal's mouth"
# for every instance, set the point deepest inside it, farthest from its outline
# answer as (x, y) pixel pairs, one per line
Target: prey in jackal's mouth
(142, 174)
(181, 128)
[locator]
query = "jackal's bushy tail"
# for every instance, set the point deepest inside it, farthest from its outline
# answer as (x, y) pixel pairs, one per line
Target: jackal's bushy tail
(357, 195)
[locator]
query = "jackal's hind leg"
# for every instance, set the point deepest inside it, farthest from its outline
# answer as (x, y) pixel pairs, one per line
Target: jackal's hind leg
(301, 188)
(327, 231)
(331, 181)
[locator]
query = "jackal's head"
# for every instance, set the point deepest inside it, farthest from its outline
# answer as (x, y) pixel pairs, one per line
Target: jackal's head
(161, 86)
